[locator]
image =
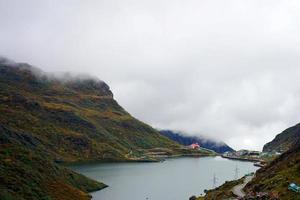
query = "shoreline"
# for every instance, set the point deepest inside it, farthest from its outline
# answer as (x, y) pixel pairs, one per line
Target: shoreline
(154, 159)
(242, 159)
(160, 159)
(175, 157)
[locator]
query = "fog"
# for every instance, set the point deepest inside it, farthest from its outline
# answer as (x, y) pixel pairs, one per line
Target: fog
(228, 70)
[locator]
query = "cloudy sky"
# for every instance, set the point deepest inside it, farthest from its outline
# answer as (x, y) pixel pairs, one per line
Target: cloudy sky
(229, 69)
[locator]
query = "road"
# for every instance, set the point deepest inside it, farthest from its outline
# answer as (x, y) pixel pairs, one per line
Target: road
(238, 189)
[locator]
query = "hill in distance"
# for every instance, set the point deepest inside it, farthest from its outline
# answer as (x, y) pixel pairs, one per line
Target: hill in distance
(219, 147)
(47, 120)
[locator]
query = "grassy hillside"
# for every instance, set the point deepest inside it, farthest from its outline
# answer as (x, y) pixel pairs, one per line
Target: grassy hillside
(284, 140)
(25, 172)
(222, 192)
(279, 174)
(45, 121)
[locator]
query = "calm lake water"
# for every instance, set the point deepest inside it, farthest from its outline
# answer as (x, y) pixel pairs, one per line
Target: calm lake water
(174, 179)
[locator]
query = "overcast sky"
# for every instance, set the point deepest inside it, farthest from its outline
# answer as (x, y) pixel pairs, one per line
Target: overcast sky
(227, 69)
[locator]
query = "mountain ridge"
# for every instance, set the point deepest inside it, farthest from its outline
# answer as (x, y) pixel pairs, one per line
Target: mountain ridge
(84, 109)
(284, 140)
(181, 138)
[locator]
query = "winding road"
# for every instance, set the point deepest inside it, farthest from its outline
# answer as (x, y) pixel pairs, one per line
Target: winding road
(238, 189)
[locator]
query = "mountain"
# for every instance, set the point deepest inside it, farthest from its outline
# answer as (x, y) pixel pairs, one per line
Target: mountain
(46, 120)
(73, 119)
(219, 147)
(283, 141)
(272, 179)
(277, 175)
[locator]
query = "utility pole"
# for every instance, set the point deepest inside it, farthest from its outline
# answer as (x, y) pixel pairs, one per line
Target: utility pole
(236, 172)
(214, 185)
(214, 181)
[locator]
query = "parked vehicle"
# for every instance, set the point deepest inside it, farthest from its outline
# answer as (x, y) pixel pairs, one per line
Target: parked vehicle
(294, 187)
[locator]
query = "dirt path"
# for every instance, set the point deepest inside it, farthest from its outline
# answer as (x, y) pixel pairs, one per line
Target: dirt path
(238, 189)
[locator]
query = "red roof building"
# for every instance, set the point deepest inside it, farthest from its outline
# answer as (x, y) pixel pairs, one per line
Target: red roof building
(195, 146)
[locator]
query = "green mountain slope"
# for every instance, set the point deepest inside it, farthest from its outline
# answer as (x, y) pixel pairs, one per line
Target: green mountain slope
(45, 121)
(73, 120)
(25, 172)
(277, 175)
(283, 141)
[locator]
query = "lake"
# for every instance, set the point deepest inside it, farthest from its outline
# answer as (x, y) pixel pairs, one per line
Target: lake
(175, 179)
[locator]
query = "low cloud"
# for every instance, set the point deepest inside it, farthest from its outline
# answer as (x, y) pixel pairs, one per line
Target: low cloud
(223, 69)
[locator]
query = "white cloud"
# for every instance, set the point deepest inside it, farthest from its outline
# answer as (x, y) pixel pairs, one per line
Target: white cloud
(227, 69)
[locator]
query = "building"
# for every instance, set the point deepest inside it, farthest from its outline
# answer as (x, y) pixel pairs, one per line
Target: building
(195, 146)
(253, 153)
(242, 152)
